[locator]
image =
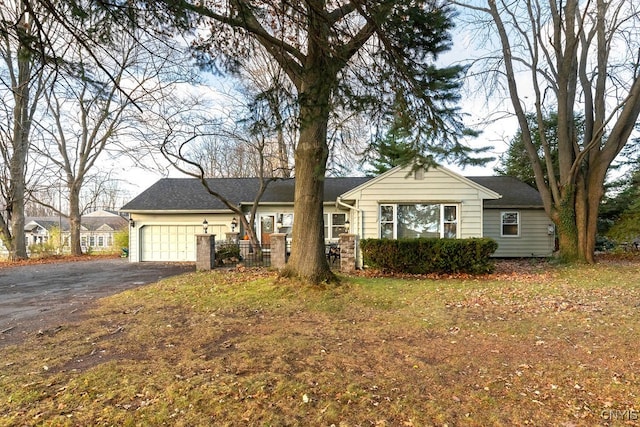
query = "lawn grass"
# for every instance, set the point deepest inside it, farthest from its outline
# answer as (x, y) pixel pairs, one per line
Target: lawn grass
(553, 346)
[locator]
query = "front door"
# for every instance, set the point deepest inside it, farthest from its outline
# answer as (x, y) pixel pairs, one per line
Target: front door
(266, 229)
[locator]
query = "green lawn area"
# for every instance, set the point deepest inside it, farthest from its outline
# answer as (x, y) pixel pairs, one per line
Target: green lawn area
(551, 345)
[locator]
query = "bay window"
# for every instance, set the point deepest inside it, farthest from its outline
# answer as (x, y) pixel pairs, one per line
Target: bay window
(406, 221)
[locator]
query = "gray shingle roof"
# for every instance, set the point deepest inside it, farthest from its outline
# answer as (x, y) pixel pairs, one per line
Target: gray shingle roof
(47, 223)
(515, 193)
(91, 223)
(188, 194)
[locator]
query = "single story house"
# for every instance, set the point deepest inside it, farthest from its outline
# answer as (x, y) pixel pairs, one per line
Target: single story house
(97, 230)
(433, 202)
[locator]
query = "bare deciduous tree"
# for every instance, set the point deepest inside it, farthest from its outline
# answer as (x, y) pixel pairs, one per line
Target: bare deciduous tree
(88, 114)
(579, 58)
(22, 78)
(220, 150)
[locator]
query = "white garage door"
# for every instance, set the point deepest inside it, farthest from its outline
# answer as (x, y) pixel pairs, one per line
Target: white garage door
(168, 242)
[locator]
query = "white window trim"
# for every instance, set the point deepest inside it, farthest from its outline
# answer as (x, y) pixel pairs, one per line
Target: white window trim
(328, 224)
(394, 221)
(443, 221)
(508, 236)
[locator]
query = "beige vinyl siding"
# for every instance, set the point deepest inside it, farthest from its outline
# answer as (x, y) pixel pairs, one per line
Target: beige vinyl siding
(437, 186)
(534, 239)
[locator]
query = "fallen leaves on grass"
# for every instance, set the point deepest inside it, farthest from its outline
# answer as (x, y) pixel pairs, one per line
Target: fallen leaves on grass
(517, 270)
(219, 348)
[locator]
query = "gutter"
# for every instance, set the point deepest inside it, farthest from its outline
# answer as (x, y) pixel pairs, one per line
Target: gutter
(339, 202)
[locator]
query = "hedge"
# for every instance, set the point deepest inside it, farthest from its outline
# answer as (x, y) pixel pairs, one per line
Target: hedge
(424, 256)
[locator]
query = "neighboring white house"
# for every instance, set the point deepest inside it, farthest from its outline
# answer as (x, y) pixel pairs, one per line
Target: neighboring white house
(435, 202)
(97, 230)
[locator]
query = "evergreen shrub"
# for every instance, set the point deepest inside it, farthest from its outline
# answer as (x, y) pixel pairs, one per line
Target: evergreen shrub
(429, 255)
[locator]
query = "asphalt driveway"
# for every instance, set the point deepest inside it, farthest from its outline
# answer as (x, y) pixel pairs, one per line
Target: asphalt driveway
(35, 297)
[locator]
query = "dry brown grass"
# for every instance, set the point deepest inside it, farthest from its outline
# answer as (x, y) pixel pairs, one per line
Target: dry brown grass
(543, 346)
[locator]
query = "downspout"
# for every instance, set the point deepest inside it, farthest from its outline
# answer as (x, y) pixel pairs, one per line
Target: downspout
(359, 229)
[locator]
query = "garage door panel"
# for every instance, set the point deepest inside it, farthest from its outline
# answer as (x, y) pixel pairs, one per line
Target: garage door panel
(168, 242)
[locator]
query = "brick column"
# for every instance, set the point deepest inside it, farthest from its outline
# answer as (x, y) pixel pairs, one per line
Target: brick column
(205, 251)
(278, 250)
(347, 252)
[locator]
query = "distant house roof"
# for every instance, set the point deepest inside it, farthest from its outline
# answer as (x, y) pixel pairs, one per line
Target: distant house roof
(515, 193)
(189, 195)
(88, 222)
(100, 213)
(46, 222)
(95, 223)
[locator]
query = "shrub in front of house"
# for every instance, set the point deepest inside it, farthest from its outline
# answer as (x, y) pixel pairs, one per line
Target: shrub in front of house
(121, 240)
(228, 254)
(43, 250)
(425, 256)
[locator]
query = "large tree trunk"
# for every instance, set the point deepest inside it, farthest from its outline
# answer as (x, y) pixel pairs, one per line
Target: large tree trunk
(595, 184)
(18, 247)
(17, 166)
(308, 261)
(581, 215)
(75, 220)
(565, 219)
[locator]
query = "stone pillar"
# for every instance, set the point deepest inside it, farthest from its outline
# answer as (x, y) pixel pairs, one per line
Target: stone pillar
(278, 250)
(205, 251)
(232, 237)
(347, 252)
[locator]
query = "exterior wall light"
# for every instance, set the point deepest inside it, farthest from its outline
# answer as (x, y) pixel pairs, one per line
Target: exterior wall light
(205, 226)
(347, 225)
(234, 224)
(132, 223)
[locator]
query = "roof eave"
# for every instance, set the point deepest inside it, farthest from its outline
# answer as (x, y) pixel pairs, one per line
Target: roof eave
(176, 211)
(514, 207)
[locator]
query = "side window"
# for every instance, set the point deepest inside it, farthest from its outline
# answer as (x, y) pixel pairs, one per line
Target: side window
(450, 222)
(510, 224)
(338, 224)
(387, 222)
